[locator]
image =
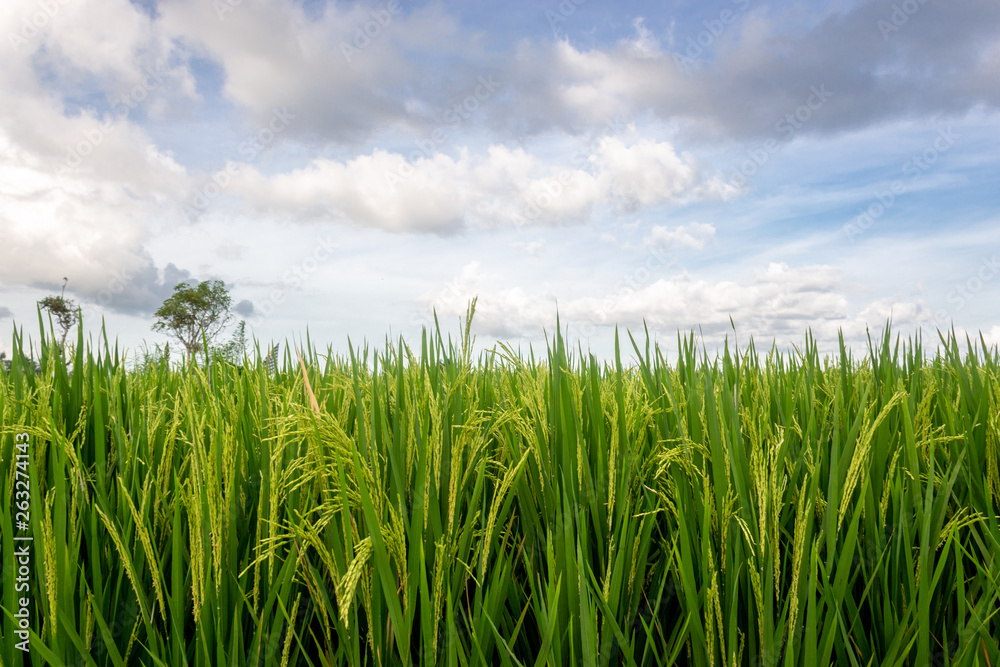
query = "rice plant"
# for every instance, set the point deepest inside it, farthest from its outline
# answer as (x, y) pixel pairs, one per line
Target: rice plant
(429, 505)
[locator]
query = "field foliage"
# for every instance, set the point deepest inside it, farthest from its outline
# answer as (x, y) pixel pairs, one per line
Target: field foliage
(433, 506)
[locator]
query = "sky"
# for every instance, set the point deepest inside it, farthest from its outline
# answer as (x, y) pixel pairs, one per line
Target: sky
(352, 168)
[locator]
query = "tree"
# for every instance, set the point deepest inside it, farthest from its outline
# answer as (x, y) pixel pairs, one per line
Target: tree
(66, 312)
(195, 313)
(236, 348)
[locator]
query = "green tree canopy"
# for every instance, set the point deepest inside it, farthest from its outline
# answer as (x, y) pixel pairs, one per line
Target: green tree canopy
(64, 310)
(194, 313)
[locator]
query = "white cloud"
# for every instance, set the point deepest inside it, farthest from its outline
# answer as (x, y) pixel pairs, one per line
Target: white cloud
(431, 199)
(647, 173)
(777, 302)
(500, 312)
(644, 44)
(79, 45)
(81, 186)
(695, 235)
(78, 190)
(504, 187)
(992, 336)
(109, 39)
(341, 83)
(741, 80)
(72, 225)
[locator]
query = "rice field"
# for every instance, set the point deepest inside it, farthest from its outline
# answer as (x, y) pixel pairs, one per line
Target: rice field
(429, 505)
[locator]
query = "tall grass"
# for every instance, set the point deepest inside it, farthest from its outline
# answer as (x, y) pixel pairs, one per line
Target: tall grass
(436, 507)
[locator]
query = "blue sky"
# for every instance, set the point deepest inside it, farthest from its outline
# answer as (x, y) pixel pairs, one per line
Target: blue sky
(788, 165)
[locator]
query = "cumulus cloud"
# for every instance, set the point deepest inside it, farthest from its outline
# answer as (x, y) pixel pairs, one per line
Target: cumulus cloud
(500, 312)
(760, 68)
(775, 302)
(695, 235)
(648, 173)
(339, 81)
(344, 85)
(86, 226)
(992, 336)
(112, 46)
(82, 182)
(5, 313)
(504, 187)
